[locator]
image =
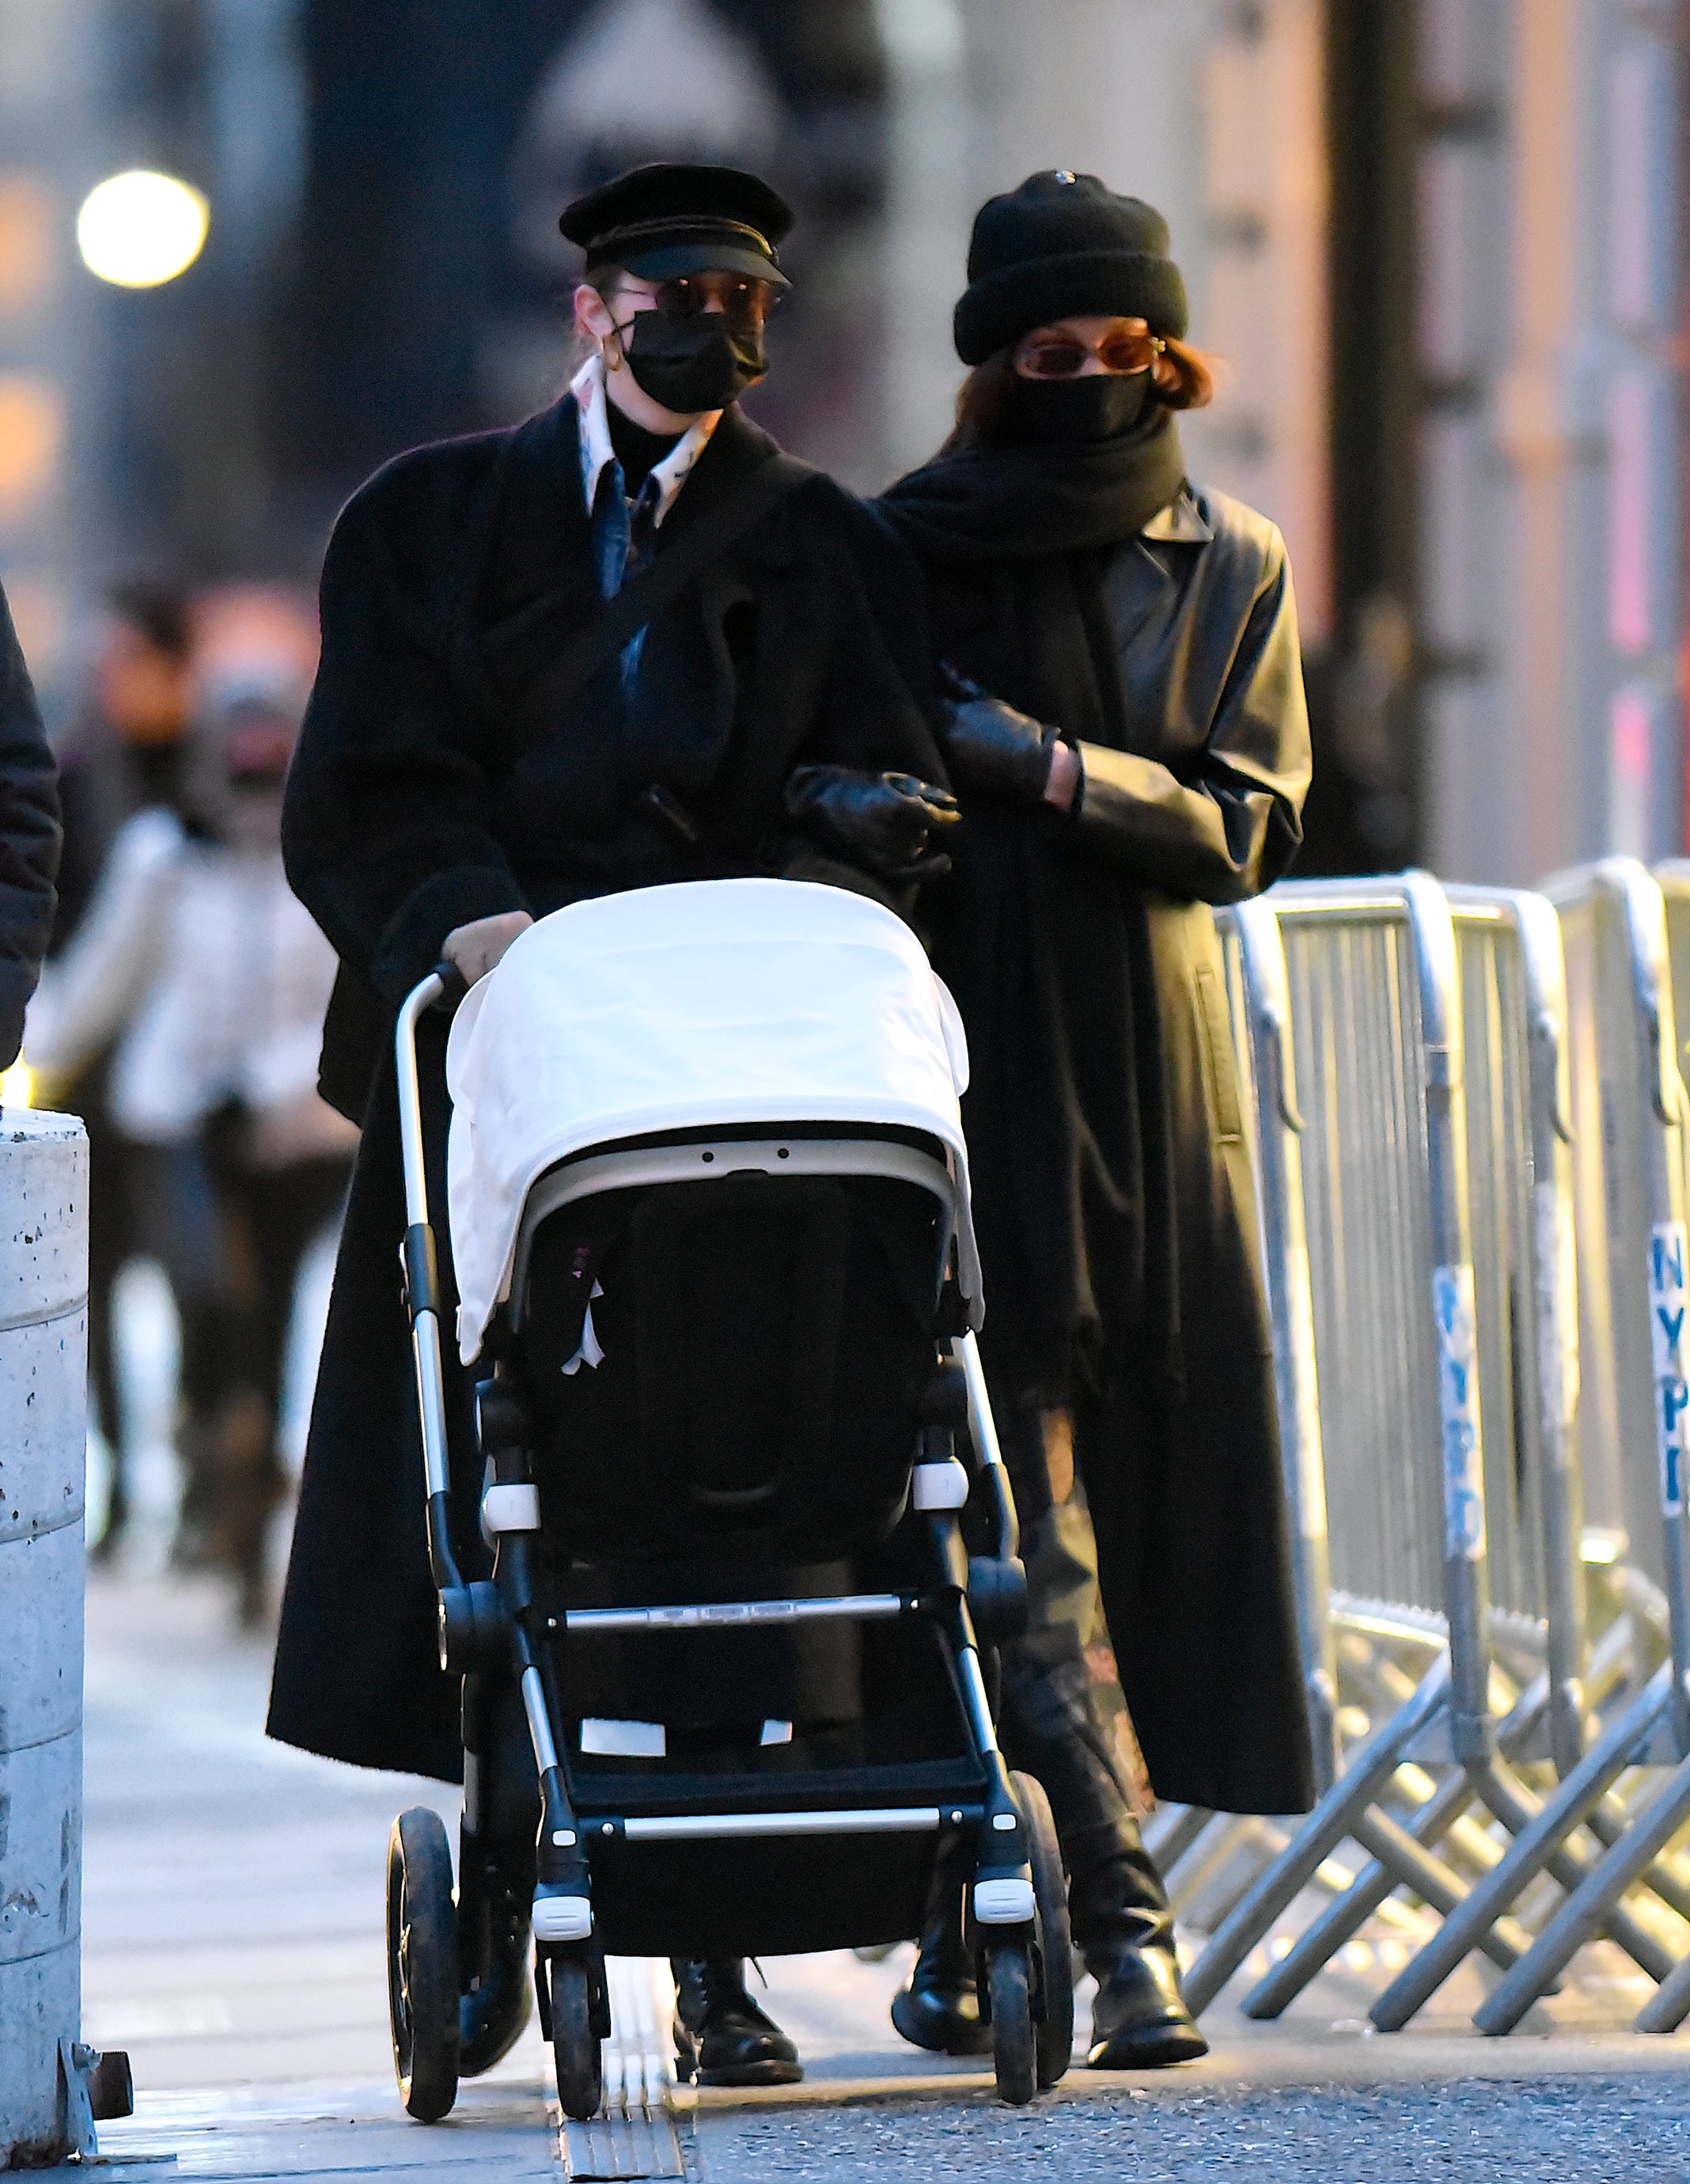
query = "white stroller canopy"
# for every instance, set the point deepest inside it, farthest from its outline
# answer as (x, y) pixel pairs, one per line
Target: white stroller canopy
(672, 1008)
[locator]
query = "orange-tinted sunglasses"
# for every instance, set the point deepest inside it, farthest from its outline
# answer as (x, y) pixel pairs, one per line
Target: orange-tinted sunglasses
(1061, 356)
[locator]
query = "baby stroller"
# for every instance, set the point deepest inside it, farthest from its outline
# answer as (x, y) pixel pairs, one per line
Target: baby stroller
(709, 1201)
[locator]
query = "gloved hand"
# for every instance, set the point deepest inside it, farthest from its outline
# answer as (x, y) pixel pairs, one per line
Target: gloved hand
(880, 821)
(990, 746)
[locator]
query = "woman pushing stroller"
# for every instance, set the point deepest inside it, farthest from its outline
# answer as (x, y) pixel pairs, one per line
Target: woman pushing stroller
(627, 643)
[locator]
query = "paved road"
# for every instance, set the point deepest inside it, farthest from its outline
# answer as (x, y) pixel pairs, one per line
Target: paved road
(1619, 2130)
(233, 1944)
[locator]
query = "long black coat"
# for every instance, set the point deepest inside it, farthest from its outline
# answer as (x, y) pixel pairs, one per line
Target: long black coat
(1116, 1218)
(424, 796)
(29, 838)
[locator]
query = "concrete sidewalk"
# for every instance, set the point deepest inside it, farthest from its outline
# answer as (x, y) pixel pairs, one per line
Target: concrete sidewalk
(233, 1944)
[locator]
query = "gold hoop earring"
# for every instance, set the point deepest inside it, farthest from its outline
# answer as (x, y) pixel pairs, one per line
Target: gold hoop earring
(611, 355)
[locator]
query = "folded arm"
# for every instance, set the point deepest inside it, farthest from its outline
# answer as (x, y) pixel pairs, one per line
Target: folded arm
(1218, 830)
(1231, 825)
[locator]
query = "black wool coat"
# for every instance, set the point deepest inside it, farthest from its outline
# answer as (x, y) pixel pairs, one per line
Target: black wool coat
(425, 794)
(1112, 1183)
(29, 838)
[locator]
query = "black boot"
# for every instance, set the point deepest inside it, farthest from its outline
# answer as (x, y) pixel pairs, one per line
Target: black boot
(940, 2008)
(721, 2037)
(1124, 1929)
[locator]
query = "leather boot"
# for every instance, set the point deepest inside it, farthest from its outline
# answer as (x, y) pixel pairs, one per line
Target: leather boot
(721, 2037)
(491, 2015)
(940, 2008)
(1125, 1930)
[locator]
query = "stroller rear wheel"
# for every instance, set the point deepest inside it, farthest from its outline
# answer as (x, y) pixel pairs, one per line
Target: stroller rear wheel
(1053, 2002)
(1015, 2059)
(422, 1964)
(575, 2038)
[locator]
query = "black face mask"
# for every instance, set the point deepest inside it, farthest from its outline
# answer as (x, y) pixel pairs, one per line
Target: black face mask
(1093, 406)
(693, 364)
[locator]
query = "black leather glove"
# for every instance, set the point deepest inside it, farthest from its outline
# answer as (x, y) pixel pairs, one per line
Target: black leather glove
(881, 820)
(990, 746)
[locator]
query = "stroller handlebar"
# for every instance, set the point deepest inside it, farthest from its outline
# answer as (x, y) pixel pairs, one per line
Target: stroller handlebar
(422, 1289)
(444, 987)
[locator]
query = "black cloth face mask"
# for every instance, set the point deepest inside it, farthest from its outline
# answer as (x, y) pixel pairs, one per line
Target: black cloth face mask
(1092, 406)
(692, 366)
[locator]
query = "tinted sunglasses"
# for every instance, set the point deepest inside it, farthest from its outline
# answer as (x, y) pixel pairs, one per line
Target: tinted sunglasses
(1053, 356)
(745, 303)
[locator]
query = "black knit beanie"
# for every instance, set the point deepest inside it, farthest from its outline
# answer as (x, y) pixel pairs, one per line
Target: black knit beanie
(1060, 247)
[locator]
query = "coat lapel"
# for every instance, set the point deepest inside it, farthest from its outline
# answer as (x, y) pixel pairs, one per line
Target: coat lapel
(537, 578)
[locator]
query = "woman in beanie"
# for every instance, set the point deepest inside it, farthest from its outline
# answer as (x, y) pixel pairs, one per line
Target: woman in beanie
(1144, 753)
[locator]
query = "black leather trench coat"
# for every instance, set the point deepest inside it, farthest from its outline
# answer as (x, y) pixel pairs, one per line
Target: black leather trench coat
(1134, 1241)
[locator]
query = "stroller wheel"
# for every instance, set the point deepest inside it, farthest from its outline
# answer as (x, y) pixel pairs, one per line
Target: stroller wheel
(1014, 2054)
(422, 1964)
(1053, 2002)
(574, 2039)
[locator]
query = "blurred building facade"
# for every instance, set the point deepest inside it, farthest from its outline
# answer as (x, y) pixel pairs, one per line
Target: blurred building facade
(1438, 245)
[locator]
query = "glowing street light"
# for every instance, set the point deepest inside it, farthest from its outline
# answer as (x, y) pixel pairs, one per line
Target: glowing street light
(139, 229)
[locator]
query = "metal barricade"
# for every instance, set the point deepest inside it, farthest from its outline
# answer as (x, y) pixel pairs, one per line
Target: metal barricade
(1628, 1103)
(1436, 1163)
(1375, 1014)
(1520, 1173)
(1259, 987)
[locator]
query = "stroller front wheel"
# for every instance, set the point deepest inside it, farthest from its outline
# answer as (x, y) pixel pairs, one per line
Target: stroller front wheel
(1053, 1998)
(1014, 2052)
(422, 1964)
(574, 2039)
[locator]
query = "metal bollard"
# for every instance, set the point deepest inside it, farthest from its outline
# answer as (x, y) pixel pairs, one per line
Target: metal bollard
(44, 2104)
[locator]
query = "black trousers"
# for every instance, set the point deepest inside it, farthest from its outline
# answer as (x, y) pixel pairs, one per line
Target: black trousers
(1063, 1715)
(230, 1238)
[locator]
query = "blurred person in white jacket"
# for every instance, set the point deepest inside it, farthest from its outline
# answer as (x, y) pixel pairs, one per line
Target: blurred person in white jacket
(197, 958)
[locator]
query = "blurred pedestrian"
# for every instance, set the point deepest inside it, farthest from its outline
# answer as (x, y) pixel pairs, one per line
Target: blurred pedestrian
(1145, 753)
(195, 957)
(129, 749)
(29, 838)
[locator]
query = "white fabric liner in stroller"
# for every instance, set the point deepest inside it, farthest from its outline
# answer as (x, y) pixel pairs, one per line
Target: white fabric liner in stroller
(676, 1008)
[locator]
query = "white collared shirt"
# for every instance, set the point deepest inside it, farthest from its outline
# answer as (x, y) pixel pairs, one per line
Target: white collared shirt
(587, 388)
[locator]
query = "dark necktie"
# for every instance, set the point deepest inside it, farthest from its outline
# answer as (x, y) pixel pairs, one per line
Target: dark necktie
(624, 536)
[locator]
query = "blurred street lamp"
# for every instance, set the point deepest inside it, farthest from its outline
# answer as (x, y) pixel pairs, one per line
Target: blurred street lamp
(139, 229)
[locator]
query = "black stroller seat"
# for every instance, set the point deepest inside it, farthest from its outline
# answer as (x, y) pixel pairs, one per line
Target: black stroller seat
(759, 1343)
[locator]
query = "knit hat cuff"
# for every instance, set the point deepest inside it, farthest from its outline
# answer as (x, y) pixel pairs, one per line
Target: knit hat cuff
(998, 307)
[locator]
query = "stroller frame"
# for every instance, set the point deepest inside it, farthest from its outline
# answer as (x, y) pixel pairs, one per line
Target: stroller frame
(1016, 1901)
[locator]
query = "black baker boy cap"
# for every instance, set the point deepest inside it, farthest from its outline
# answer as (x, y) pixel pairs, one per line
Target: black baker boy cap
(672, 217)
(1064, 246)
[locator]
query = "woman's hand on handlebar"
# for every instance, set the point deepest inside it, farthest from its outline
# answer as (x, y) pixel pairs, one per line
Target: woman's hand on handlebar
(473, 950)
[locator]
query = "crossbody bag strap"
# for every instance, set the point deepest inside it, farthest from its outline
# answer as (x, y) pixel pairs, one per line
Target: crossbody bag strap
(661, 582)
